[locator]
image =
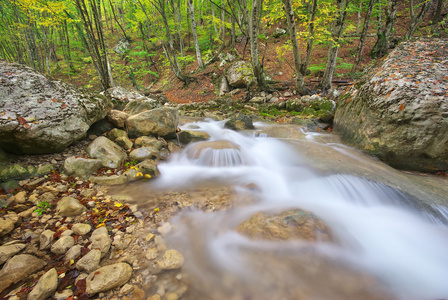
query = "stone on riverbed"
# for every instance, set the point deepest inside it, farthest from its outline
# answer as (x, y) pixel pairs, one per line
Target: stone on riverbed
(108, 277)
(8, 222)
(171, 260)
(62, 245)
(100, 240)
(81, 167)
(69, 206)
(46, 286)
(157, 122)
(6, 252)
(110, 154)
(90, 261)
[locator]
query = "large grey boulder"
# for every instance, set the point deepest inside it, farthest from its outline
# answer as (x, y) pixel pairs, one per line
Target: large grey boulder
(240, 74)
(110, 154)
(157, 122)
(141, 105)
(399, 111)
(39, 115)
(18, 268)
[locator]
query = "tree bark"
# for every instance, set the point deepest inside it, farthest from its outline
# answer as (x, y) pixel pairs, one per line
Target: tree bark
(336, 32)
(381, 46)
(362, 39)
(417, 18)
(254, 23)
(290, 18)
(195, 34)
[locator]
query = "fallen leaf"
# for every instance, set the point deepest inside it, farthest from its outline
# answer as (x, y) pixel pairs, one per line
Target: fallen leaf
(63, 106)
(21, 120)
(401, 107)
(27, 126)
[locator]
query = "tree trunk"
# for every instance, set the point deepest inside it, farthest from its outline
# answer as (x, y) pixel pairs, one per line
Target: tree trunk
(290, 18)
(416, 19)
(310, 40)
(254, 23)
(381, 46)
(438, 14)
(336, 32)
(195, 34)
(362, 39)
(358, 26)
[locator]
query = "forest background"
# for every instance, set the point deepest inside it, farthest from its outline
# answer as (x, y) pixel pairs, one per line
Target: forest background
(178, 47)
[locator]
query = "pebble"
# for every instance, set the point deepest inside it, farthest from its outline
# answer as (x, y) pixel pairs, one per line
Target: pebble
(171, 260)
(108, 277)
(90, 261)
(45, 287)
(45, 239)
(81, 229)
(100, 240)
(62, 245)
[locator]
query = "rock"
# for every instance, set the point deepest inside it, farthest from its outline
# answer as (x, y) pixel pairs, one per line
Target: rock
(399, 111)
(124, 143)
(7, 223)
(81, 229)
(63, 295)
(287, 225)
(278, 32)
(144, 153)
(109, 180)
(122, 46)
(223, 87)
(6, 252)
(147, 167)
(20, 197)
(258, 100)
(171, 260)
(69, 206)
(100, 240)
(190, 136)
(157, 122)
(208, 153)
(90, 261)
(240, 122)
(117, 117)
(62, 245)
(41, 115)
(146, 141)
(140, 105)
(240, 74)
(45, 287)
(110, 154)
(108, 277)
(44, 169)
(116, 133)
(81, 167)
(45, 239)
(73, 253)
(15, 171)
(18, 268)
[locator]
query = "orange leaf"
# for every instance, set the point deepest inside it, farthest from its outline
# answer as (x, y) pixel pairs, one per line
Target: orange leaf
(27, 126)
(63, 106)
(54, 100)
(401, 107)
(388, 94)
(21, 120)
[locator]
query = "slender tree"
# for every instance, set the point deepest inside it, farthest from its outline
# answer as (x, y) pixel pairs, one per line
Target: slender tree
(195, 34)
(416, 18)
(254, 23)
(363, 36)
(381, 46)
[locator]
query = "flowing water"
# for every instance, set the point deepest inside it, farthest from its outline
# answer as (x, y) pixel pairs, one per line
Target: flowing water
(392, 241)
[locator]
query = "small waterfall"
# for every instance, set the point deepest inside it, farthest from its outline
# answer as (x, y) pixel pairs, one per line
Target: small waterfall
(382, 231)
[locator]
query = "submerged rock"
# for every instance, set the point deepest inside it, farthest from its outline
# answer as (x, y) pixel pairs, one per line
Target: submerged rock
(240, 122)
(171, 260)
(399, 111)
(291, 224)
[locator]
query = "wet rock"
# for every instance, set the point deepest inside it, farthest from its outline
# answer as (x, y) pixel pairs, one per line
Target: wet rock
(110, 154)
(126, 289)
(240, 74)
(158, 122)
(62, 245)
(81, 167)
(171, 260)
(190, 136)
(90, 261)
(399, 111)
(69, 206)
(108, 277)
(73, 253)
(45, 287)
(6, 252)
(287, 225)
(146, 141)
(143, 153)
(45, 239)
(117, 117)
(81, 229)
(215, 153)
(240, 122)
(41, 115)
(100, 240)
(18, 268)
(7, 223)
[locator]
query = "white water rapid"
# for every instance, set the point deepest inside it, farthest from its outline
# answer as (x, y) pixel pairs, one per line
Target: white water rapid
(381, 231)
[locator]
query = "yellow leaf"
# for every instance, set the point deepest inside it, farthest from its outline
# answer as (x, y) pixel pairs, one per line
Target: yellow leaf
(118, 204)
(72, 261)
(139, 174)
(147, 176)
(156, 209)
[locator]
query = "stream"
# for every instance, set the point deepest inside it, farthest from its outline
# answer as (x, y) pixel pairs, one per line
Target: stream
(390, 227)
